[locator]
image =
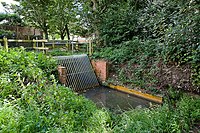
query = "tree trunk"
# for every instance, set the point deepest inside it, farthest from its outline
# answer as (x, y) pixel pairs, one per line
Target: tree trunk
(68, 36)
(45, 29)
(46, 35)
(94, 6)
(97, 32)
(62, 36)
(67, 30)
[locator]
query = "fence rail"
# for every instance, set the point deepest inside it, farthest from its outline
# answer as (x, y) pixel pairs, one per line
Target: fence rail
(70, 45)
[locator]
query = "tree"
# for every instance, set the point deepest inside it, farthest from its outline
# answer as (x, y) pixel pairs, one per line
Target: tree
(96, 11)
(63, 12)
(10, 19)
(52, 16)
(35, 13)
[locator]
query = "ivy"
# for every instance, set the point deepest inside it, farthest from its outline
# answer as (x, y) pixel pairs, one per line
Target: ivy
(164, 30)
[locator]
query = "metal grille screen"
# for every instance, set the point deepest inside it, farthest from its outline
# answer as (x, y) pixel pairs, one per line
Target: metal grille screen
(79, 72)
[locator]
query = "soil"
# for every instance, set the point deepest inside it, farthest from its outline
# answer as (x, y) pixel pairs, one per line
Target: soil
(171, 74)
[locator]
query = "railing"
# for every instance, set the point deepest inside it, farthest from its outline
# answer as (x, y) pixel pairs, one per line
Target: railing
(70, 45)
(6, 41)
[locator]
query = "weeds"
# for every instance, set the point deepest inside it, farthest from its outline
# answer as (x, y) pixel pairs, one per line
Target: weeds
(161, 119)
(39, 104)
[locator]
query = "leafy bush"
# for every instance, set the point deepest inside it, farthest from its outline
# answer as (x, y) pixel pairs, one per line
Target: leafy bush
(6, 33)
(135, 50)
(139, 59)
(31, 100)
(59, 52)
(196, 67)
(41, 105)
(125, 32)
(161, 119)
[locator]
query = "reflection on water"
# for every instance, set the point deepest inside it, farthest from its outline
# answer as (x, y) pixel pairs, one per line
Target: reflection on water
(113, 99)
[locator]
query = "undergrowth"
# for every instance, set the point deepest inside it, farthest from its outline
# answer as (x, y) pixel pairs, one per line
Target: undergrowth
(181, 118)
(146, 33)
(65, 52)
(32, 101)
(134, 62)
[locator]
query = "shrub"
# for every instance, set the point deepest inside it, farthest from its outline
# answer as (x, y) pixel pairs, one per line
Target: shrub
(44, 106)
(32, 101)
(161, 119)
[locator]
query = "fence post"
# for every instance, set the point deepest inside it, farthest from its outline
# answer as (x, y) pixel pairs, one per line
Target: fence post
(34, 43)
(42, 44)
(90, 49)
(53, 44)
(87, 48)
(72, 47)
(62, 74)
(5, 40)
(68, 44)
(77, 47)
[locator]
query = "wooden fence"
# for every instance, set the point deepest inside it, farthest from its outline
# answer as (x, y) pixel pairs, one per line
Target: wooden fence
(70, 45)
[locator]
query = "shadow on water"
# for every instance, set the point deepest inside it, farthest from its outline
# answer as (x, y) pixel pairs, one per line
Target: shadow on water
(115, 100)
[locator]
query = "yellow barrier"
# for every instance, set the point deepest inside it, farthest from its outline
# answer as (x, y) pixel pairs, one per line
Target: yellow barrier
(12, 40)
(149, 97)
(5, 43)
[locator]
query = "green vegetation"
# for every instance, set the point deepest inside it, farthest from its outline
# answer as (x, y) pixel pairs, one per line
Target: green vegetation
(54, 17)
(136, 36)
(8, 19)
(11, 19)
(161, 119)
(59, 52)
(6, 33)
(148, 34)
(32, 101)
(64, 52)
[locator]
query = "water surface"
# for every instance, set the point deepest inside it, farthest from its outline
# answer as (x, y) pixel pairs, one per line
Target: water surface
(115, 100)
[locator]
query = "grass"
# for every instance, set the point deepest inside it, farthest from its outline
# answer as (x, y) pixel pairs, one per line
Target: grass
(64, 52)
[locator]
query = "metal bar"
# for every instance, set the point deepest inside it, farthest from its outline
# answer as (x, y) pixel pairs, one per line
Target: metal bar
(80, 75)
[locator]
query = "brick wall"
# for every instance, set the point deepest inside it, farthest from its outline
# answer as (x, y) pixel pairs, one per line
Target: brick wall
(101, 69)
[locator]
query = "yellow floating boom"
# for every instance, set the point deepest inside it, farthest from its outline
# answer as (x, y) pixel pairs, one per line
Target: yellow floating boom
(149, 97)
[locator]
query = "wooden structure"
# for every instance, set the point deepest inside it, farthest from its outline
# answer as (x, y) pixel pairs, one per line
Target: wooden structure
(70, 45)
(6, 42)
(20, 32)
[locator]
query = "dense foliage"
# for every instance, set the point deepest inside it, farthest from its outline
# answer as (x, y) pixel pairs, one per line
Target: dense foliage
(8, 19)
(6, 33)
(32, 101)
(162, 119)
(54, 17)
(171, 26)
